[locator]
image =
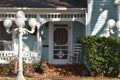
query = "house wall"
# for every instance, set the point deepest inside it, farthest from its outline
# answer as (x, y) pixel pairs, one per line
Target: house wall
(78, 30)
(101, 12)
(28, 40)
(44, 30)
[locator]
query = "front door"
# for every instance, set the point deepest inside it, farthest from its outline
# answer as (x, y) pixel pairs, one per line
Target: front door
(60, 42)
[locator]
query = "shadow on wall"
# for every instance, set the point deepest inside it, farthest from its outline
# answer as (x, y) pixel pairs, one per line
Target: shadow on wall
(80, 3)
(102, 10)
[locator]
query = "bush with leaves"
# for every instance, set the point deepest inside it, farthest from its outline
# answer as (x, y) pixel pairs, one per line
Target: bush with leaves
(102, 54)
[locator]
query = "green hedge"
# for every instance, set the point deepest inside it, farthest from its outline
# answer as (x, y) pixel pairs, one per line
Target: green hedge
(102, 54)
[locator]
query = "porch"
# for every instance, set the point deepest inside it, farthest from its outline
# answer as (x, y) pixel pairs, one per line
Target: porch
(47, 16)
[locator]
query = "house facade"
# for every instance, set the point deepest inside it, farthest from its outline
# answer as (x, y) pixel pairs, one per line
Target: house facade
(62, 22)
(99, 12)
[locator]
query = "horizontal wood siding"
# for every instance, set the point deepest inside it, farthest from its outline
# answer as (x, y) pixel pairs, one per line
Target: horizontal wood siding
(102, 11)
(78, 31)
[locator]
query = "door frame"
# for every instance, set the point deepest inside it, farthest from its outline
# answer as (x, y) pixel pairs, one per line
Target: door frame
(70, 38)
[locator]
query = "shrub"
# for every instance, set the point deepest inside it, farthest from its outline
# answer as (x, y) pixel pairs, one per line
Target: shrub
(102, 54)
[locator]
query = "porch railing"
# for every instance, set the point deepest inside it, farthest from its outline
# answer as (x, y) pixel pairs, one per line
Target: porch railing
(6, 57)
(7, 54)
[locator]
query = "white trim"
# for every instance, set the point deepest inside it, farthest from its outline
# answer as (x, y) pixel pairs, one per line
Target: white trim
(51, 61)
(118, 12)
(9, 9)
(86, 26)
(72, 16)
(14, 43)
(70, 42)
(47, 14)
(88, 18)
(50, 42)
(6, 57)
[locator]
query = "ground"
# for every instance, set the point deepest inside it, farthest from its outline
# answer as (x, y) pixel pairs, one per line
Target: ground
(69, 78)
(46, 70)
(53, 72)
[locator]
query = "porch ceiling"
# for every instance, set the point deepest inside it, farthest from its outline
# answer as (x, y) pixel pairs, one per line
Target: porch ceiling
(44, 3)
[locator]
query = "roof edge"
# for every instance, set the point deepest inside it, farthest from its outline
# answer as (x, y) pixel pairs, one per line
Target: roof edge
(25, 8)
(37, 10)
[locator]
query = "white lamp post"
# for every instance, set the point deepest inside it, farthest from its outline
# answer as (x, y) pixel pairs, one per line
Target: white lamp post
(111, 24)
(20, 22)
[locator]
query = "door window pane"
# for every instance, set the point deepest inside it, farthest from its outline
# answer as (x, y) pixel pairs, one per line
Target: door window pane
(60, 36)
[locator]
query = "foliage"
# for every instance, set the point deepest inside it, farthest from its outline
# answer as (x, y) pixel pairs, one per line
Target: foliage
(102, 54)
(37, 67)
(6, 69)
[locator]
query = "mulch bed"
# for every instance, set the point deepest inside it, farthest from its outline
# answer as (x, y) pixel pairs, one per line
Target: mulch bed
(69, 78)
(52, 72)
(61, 72)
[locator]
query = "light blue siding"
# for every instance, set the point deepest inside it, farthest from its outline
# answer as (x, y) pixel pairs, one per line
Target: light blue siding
(78, 30)
(28, 41)
(45, 39)
(102, 11)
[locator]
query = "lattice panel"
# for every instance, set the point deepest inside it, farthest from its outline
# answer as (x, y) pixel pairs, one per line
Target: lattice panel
(7, 56)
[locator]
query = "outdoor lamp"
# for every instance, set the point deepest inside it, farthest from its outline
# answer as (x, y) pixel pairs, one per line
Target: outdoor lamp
(20, 14)
(33, 23)
(111, 24)
(7, 23)
(20, 23)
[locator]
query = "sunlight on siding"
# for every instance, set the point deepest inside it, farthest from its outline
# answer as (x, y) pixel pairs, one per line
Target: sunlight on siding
(100, 22)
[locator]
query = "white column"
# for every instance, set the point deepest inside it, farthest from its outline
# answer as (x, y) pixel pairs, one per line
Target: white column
(86, 25)
(118, 17)
(118, 12)
(14, 46)
(88, 17)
